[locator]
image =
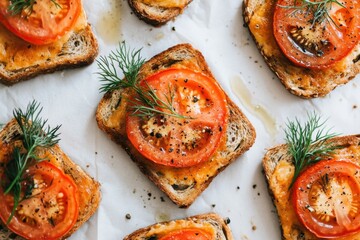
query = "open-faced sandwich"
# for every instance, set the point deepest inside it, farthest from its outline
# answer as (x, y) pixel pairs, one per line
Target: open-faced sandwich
(172, 117)
(43, 36)
(200, 227)
(314, 181)
(43, 193)
(312, 46)
(158, 12)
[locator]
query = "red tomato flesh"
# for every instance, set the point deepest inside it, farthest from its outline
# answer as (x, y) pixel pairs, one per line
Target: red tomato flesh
(45, 23)
(326, 198)
(319, 44)
(180, 142)
(51, 210)
(187, 234)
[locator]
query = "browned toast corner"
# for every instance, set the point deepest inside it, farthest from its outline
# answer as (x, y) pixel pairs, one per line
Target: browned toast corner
(181, 185)
(211, 222)
(157, 14)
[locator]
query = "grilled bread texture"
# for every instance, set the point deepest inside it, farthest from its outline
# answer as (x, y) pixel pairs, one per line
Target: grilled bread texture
(303, 82)
(279, 171)
(89, 195)
(158, 12)
(210, 222)
(181, 185)
(20, 60)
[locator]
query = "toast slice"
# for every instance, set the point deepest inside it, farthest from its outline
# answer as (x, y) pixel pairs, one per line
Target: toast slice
(303, 82)
(20, 60)
(209, 222)
(181, 185)
(279, 170)
(157, 12)
(88, 187)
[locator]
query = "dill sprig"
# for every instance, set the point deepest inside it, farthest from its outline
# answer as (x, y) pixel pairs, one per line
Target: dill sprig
(308, 143)
(319, 9)
(17, 6)
(146, 102)
(34, 134)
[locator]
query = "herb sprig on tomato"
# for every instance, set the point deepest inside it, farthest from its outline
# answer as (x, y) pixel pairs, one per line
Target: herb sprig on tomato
(34, 135)
(325, 191)
(37, 199)
(308, 143)
(316, 34)
(147, 102)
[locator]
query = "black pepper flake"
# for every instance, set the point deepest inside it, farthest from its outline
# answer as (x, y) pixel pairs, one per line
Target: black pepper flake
(254, 186)
(227, 220)
(128, 216)
(162, 199)
(158, 135)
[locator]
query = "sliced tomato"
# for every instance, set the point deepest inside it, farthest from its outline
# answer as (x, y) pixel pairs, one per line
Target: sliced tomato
(50, 208)
(45, 23)
(187, 234)
(326, 198)
(319, 44)
(181, 142)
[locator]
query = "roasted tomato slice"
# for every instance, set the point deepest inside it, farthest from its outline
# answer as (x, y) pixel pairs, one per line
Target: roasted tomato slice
(316, 44)
(44, 23)
(181, 142)
(49, 208)
(187, 234)
(327, 198)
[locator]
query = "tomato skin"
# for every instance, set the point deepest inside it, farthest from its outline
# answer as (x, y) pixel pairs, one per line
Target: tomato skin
(42, 26)
(319, 184)
(56, 193)
(181, 142)
(336, 42)
(187, 234)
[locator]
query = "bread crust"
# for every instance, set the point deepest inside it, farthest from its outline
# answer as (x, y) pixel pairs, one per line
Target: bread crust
(303, 82)
(79, 49)
(291, 228)
(179, 184)
(222, 230)
(155, 15)
(88, 188)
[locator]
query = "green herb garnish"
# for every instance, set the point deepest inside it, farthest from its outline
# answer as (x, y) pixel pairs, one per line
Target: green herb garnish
(33, 135)
(318, 9)
(146, 103)
(17, 6)
(308, 143)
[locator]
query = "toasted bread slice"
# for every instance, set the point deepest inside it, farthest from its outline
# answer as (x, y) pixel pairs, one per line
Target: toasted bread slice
(209, 222)
(157, 12)
(303, 82)
(279, 170)
(20, 60)
(88, 188)
(181, 185)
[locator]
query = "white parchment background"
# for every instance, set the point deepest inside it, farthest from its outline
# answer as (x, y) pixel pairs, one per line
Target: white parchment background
(215, 27)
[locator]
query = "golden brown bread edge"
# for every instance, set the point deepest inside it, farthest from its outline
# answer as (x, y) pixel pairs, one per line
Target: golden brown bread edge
(154, 15)
(223, 231)
(80, 50)
(88, 187)
(240, 134)
(278, 153)
(303, 82)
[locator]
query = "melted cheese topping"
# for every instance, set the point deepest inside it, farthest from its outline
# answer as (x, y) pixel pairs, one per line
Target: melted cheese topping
(162, 229)
(167, 3)
(280, 182)
(16, 53)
